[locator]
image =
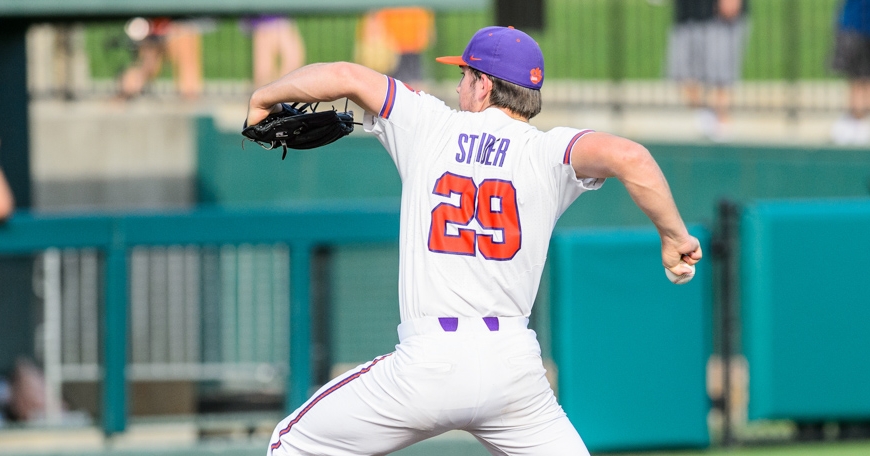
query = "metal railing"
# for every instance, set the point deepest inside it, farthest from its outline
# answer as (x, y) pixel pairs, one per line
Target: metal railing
(196, 313)
(115, 344)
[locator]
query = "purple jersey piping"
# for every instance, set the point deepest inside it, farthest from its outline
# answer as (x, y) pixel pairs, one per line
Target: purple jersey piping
(567, 159)
(322, 395)
(390, 100)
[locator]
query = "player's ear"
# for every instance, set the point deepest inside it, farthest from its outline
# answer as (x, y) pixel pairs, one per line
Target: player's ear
(485, 85)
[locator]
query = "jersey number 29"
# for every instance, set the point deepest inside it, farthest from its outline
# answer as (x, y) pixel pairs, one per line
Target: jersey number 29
(493, 203)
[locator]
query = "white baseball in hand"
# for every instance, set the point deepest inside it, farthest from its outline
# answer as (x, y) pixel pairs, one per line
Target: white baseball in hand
(683, 278)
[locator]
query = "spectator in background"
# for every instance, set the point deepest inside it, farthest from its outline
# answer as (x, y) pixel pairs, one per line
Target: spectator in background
(277, 47)
(705, 56)
(159, 39)
(149, 36)
(852, 59)
(7, 202)
(412, 30)
(184, 49)
(392, 41)
(373, 47)
(25, 393)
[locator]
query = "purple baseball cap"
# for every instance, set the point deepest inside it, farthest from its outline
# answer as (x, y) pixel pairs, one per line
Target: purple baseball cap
(506, 53)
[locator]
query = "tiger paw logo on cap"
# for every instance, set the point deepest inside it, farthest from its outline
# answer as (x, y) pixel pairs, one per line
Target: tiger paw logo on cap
(535, 76)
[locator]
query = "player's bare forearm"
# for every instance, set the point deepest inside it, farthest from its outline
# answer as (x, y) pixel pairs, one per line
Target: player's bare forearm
(601, 155)
(650, 191)
(320, 82)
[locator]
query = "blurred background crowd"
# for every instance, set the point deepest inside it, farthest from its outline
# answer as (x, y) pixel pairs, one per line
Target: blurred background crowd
(716, 57)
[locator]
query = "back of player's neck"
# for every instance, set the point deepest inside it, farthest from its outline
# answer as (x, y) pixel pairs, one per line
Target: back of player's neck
(513, 115)
(507, 111)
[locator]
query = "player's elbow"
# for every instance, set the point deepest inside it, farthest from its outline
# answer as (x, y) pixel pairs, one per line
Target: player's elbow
(631, 157)
(349, 77)
(362, 85)
(343, 71)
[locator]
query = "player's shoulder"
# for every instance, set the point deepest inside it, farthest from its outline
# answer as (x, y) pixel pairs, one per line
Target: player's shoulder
(403, 103)
(561, 131)
(554, 145)
(563, 136)
(415, 93)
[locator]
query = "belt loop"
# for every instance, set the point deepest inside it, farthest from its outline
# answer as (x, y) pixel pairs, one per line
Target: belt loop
(449, 324)
(491, 323)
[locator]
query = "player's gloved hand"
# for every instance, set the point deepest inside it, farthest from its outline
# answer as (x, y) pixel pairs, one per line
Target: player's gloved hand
(295, 127)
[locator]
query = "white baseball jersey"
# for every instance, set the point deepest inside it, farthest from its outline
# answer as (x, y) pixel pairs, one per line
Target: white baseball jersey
(481, 193)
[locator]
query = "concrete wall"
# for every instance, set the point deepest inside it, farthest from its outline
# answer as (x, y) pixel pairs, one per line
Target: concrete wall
(112, 155)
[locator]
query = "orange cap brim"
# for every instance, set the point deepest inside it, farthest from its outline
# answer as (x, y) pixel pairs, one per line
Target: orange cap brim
(452, 60)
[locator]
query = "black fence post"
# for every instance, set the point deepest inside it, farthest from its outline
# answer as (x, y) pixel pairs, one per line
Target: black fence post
(321, 315)
(527, 15)
(616, 54)
(725, 254)
(17, 309)
(791, 58)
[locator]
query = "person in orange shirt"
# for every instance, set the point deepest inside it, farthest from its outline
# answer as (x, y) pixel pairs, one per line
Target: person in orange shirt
(411, 31)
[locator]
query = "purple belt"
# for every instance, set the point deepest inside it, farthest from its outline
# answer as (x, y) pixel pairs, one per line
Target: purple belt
(431, 325)
(451, 324)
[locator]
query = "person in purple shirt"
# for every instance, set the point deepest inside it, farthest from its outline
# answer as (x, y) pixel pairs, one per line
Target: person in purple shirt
(278, 47)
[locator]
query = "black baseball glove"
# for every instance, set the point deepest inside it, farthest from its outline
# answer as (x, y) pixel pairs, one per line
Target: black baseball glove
(300, 128)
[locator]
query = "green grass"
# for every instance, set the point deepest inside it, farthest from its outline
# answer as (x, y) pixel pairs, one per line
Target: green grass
(807, 449)
(583, 39)
(821, 449)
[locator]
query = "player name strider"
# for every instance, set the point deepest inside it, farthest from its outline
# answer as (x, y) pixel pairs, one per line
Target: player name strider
(483, 148)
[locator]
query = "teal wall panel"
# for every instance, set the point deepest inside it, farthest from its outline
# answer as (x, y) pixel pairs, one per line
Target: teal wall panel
(702, 174)
(630, 347)
(358, 168)
(699, 175)
(366, 292)
(806, 309)
(230, 171)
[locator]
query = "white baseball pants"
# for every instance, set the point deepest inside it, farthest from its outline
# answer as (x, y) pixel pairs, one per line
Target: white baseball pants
(483, 377)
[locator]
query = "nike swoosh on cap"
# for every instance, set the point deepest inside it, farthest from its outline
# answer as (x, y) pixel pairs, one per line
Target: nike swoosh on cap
(474, 58)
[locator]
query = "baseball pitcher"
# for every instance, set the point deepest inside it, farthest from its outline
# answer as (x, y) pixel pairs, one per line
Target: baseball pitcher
(482, 190)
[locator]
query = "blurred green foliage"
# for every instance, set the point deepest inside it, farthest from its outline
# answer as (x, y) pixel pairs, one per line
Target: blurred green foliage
(583, 39)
